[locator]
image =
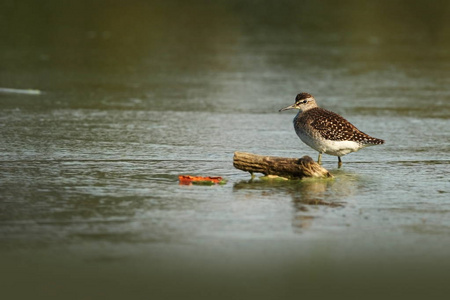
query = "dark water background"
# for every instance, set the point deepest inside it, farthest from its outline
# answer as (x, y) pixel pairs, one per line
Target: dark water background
(134, 93)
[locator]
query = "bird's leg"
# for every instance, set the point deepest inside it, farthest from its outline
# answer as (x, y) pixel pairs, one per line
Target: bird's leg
(339, 162)
(319, 160)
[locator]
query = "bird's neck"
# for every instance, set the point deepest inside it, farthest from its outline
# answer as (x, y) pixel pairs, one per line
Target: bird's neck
(309, 106)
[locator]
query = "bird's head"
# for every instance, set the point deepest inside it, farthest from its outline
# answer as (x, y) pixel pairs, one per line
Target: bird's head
(303, 102)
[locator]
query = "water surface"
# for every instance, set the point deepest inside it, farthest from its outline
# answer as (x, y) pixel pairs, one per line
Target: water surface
(133, 95)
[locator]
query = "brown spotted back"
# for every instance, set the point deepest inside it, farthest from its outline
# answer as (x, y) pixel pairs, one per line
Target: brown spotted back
(331, 126)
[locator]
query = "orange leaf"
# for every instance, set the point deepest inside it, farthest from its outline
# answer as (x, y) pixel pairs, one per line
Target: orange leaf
(188, 179)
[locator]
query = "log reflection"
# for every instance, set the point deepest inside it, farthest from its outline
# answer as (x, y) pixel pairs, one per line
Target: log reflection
(311, 198)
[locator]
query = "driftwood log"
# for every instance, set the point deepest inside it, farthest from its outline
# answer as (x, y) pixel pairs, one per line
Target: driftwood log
(281, 166)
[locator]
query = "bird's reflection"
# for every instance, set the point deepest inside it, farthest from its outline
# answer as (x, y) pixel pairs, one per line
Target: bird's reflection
(310, 197)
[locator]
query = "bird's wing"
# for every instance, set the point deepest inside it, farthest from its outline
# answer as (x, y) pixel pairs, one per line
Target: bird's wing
(332, 126)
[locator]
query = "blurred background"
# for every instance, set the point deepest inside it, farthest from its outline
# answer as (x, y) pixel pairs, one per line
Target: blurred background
(225, 55)
(104, 103)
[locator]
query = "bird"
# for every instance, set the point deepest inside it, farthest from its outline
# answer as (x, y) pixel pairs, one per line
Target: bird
(326, 131)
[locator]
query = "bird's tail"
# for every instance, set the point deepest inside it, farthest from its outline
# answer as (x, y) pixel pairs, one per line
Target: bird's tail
(369, 141)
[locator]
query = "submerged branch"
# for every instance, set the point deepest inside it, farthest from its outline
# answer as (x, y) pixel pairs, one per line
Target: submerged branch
(281, 166)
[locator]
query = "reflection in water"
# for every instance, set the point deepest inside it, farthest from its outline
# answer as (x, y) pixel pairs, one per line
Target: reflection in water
(309, 196)
(313, 192)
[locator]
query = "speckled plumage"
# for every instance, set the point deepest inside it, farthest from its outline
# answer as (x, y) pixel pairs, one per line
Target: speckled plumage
(326, 131)
(325, 124)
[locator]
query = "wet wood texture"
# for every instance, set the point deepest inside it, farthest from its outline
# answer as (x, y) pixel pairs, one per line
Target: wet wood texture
(281, 166)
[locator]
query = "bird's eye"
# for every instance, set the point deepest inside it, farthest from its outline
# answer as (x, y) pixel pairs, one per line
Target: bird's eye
(304, 101)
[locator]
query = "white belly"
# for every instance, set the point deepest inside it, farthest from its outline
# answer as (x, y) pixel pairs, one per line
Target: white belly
(336, 148)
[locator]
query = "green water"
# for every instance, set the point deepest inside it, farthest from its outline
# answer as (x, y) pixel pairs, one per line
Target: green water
(134, 94)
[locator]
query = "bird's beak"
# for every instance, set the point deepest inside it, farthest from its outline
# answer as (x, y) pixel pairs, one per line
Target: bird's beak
(288, 107)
